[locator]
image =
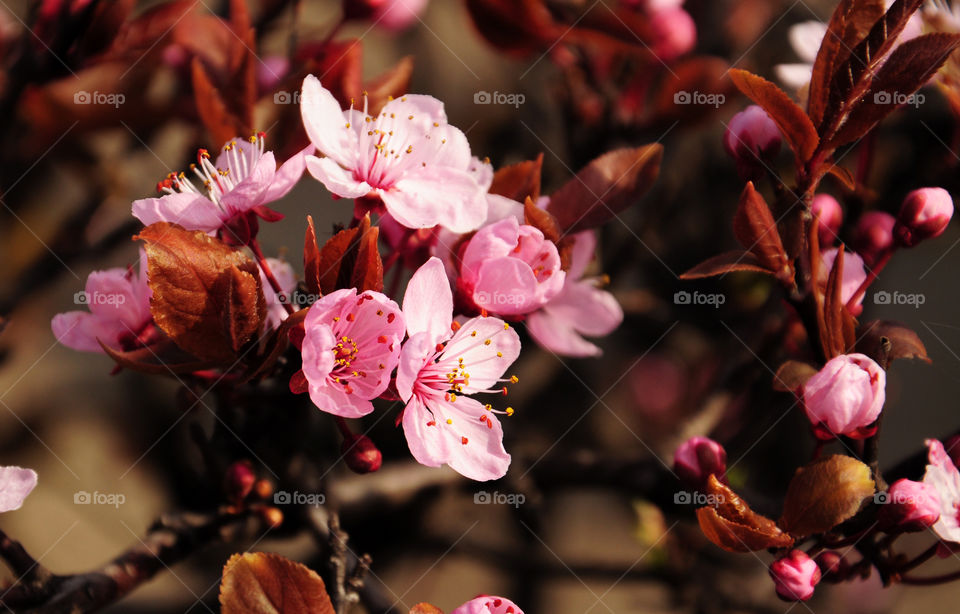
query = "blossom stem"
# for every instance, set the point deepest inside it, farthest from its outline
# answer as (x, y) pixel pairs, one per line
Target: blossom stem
(871, 277)
(921, 558)
(950, 577)
(262, 261)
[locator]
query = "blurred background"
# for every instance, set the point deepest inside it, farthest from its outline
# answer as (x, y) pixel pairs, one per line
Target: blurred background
(598, 528)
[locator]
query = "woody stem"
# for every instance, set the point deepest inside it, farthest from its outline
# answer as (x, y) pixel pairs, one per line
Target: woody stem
(268, 273)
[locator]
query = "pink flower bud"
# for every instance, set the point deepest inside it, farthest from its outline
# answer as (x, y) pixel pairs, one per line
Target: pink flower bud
(674, 33)
(697, 458)
(795, 575)
(829, 216)
(924, 214)
(909, 506)
(873, 235)
(239, 480)
(854, 274)
(361, 454)
(833, 567)
(845, 397)
(751, 136)
(392, 15)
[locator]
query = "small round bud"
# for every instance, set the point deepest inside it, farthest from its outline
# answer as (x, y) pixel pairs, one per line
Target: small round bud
(909, 506)
(873, 236)
(751, 137)
(795, 576)
(924, 214)
(674, 33)
(239, 480)
(829, 216)
(845, 397)
(360, 453)
(697, 459)
(833, 567)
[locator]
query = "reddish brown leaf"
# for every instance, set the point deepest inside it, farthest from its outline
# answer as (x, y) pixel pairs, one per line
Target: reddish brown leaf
(368, 266)
(885, 341)
(517, 27)
(794, 124)
(145, 30)
(350, 259)
(311, 259)
(518, 181)
(756, 230)
(206, 295)
(910, 66)
(218, 119)
(732, 525)
(425, 608)
(845, 176)
(541, 220)
(838, 334)
(263, 583)
(849, 24)
(605, 187)
(792, 375)
(825, 493)
(727, 262)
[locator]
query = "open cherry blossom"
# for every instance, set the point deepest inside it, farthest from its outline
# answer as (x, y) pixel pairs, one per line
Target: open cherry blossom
(944, 476)
(15, 484)
(350, 347)
(119, 304)
(440, 365)
(408, 156)
(242, 180)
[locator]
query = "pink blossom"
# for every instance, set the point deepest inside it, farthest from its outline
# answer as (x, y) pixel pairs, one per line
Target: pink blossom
(751, 137)
(910, 506)
(581, 308)
(697, 459)
(283, 273)
(944, 477)
(119, 303)
(230, 191)
(829, 216)
(854, 274)
(15, 484)
(394, 15)
(795, 576)
(924, 214)
(408, 156)
(488, 604)
(845, 397)
(873, 235)
(440, 365)
(674, 33)
(351, 345)
(509, 268)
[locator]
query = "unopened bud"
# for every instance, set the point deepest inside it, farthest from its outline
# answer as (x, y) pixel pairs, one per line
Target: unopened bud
(924, 214)
(674, 33)
(751, 138)
(795, 576)
(833, 567)
(909, 506)
(361, 454)
(697, 459)
(829, 216)
(873, 235)
(239, 480)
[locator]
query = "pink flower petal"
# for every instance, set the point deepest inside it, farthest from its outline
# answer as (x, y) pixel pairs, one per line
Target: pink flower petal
(79, 330)
(250, 192)
(488, 604)
(944, 476)
(414, 355)
(559, 336)
(15, 484)
(507, 286)
(287, 175)
(478, 343)
(325, 123)
(192, 211)
(435, 195)
(428, 302)
(336, 179)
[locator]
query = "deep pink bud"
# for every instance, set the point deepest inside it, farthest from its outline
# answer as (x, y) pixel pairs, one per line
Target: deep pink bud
(924, 214)
(697, 458)
(361, 454)
(833, 567)
(795, 575)
(674, 33)
(239, 480)
(829, 216)
(873, 235)
(845, 397)
(751, 136)
(909, 506)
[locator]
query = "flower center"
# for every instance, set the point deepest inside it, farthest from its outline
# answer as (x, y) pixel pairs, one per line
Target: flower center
(240, 159)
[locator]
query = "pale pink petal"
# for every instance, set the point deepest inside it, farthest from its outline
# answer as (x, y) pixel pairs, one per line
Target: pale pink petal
(426, 110)
(487, 346)
(488, 604)
(424, 437)
(15, 484)
(437, 195)
(944, 476)
(79, 330)
(501, 207)
(428, 302)
(590, 310)
(794, 76)
(317, 351)
(332, 399)
(584, 248)
(339, 181)
(287, 176)
(192, 211)
(325, 123)
(414, 356)
(805, 38)
(111, 295)
(507, 286)
(250, 191)
(495, 240)
(482, 172)
(559, 336)
(475, 448)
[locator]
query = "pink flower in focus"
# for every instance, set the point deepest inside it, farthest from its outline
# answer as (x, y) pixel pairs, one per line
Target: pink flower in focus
(509, 268)
(351, 345)
(910, 506)
(873, 235)
(230, 192)
(697, 459)
(283, 273)
(581, 308)
(854, 274)
(440, 364)
(488, 604)
(119, 303)
(924, 214)
(795, 576)
(829, 216)
(845, 397)
(944, 477)
(15, 484)
(408, 156)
